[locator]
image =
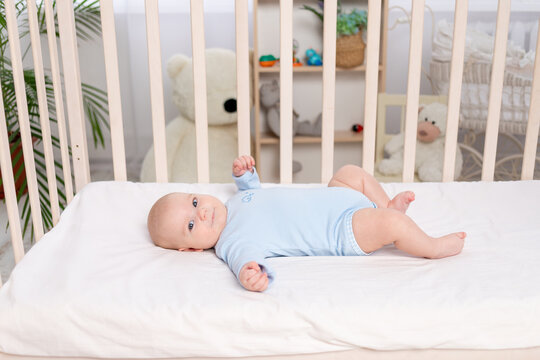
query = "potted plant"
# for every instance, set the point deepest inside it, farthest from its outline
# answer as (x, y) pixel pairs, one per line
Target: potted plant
(349, 45)
(88, 24)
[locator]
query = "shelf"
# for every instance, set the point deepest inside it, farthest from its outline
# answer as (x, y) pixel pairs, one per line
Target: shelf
(306, 68)
(265, 41)
(340, 136)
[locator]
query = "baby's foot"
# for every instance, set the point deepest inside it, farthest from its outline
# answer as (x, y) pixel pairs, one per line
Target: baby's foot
(401, 201)
(449, 245)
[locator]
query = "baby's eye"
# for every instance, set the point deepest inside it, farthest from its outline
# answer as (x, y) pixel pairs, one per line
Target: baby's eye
(433, 122)
(425, 119)
(190, 225)
(195, 202)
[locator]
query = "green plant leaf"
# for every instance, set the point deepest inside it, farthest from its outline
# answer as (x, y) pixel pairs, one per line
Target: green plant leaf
(346, 23)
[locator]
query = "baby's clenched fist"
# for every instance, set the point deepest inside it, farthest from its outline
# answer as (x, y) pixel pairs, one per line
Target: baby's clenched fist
(252, 277)
(242, 164)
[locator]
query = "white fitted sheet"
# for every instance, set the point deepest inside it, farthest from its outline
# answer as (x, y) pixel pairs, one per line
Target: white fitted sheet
(96, 286)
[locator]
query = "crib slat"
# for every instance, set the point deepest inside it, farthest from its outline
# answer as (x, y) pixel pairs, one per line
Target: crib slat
(113, 90)
(531, 138)
(256, 86)
(24, 121)
(454, 92)
(242, 76)
(495, 90)
(199, 88)
(286, 95)
(156, 89)
(372, 78)
(329, 90)
(9, 187)
(413, 89)
(43, 110)
(58, 99)
(72, 78)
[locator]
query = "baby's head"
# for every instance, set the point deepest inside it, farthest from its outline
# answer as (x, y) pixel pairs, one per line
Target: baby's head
(187, 222)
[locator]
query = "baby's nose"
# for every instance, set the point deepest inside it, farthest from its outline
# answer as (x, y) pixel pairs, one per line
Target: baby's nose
(202, 213)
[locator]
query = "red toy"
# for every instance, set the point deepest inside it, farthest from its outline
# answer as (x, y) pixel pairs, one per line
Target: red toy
(357, 128)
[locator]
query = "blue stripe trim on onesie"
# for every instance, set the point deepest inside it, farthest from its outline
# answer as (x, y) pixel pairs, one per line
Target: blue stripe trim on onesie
(348, 234)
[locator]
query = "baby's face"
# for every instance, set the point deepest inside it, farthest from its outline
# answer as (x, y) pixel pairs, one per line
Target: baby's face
(191, 222)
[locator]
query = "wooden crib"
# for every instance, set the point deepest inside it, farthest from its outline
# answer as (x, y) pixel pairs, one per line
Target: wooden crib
(77, 153)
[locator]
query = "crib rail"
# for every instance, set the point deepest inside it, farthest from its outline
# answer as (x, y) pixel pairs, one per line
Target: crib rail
(75, 113)
(531, 138)
(156, 89)
(454, 96)
(242, 76)
(113, 90)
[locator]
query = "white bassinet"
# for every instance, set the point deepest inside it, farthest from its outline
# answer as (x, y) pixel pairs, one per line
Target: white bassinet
(475, 89)
(516, 95)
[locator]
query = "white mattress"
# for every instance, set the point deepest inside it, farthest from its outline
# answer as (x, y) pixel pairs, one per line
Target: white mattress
(96, 286)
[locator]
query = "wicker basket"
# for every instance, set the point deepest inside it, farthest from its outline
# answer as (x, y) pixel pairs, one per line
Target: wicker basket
(350, 50)
(516, 96)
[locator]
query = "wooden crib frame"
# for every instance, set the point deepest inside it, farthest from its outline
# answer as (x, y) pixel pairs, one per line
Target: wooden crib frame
(79, 156)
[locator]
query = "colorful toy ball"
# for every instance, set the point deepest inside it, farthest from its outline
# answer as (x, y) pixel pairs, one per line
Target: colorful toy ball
(312, 58)
(357, 128)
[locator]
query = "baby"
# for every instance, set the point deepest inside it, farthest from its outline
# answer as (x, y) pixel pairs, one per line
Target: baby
(352, 216)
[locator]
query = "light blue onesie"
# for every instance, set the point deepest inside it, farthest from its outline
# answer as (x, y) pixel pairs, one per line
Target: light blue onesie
(279, 221)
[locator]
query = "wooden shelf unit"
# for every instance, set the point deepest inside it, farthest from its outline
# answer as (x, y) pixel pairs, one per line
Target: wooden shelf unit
(307, 68)
(340, 136)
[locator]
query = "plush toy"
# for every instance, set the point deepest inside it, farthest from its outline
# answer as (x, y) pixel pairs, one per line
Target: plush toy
(429, 146)
(222, 120)
(270, 102)
(312, 58)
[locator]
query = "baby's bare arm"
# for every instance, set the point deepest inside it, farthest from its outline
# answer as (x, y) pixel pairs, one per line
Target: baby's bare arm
(252, 277)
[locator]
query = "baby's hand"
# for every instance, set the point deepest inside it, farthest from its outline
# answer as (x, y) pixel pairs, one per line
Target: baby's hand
(241, 164)
(252, 277)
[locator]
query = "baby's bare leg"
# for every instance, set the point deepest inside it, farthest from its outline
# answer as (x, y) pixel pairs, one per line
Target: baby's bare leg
(375, 228)
(356, 178)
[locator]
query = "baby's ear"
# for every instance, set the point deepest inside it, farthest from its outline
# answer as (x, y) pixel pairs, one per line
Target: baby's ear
(190, 250)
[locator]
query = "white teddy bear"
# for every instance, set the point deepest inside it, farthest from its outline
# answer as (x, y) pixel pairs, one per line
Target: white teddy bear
(429, 146)
(222, 120)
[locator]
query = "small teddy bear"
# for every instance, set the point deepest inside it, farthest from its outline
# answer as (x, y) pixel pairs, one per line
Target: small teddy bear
(429, 146)
(270, 101)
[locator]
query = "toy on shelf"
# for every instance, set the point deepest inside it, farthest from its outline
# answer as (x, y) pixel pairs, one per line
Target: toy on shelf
(312, 58)
(296, 61)
(357, 128)
(270, 102)
(222, 119)
(267, 60)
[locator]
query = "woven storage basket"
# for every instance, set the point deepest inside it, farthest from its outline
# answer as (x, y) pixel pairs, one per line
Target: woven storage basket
(350, 50)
